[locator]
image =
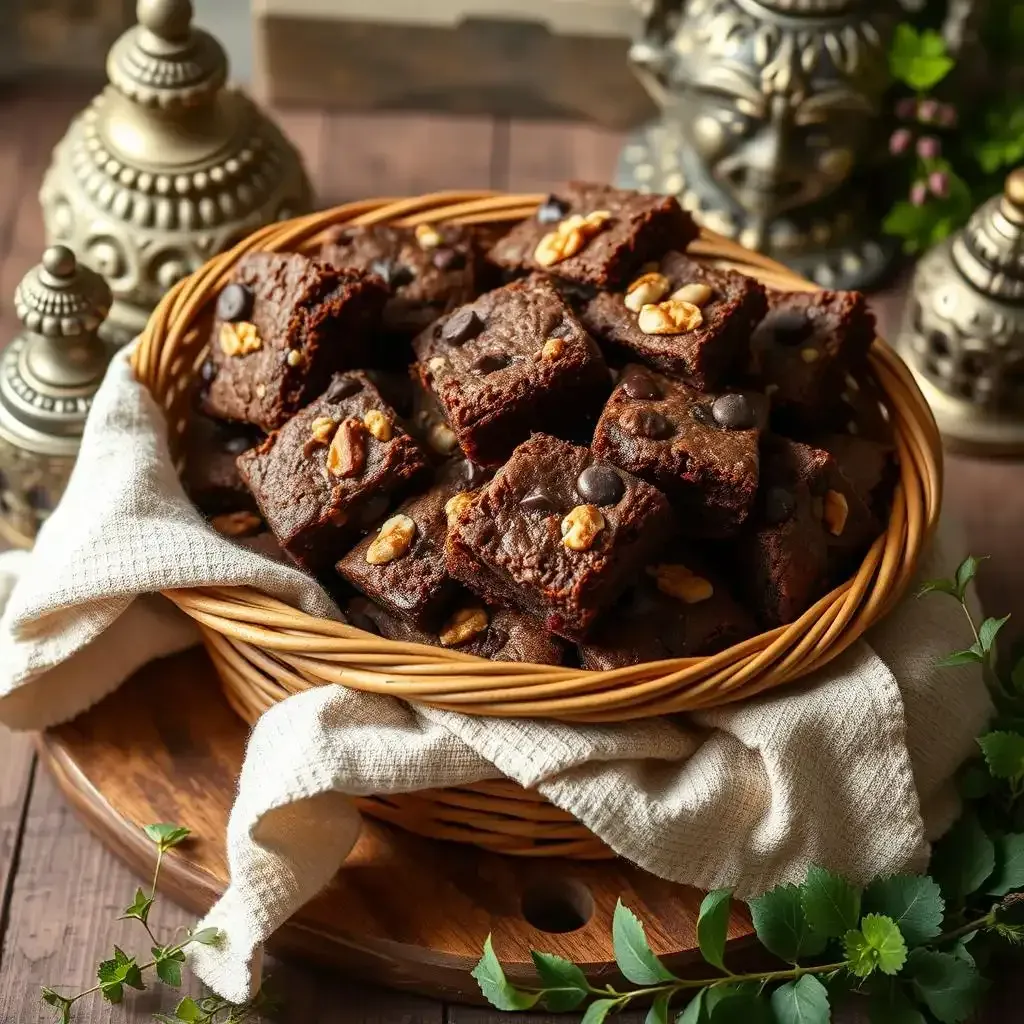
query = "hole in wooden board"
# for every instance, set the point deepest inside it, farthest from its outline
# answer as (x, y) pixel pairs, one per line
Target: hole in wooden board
(558, 905)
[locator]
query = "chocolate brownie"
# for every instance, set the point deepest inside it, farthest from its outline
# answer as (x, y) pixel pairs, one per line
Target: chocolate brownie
(679, 608)
(558, 533)
(513, 361)
(429, 270)
(331, 471)
(594, 235)
(699, 449)
(803, 349)
(496, 633)
(210, 474)
(283, 325)
(401, 565)
(682, 318)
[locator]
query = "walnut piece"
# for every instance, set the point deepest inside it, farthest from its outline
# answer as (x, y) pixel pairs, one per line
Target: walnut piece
(236, 524)
(681, 583)
(442, 439)
(835, 512)
(347, 454)
(428, 236)
(392, 541)
(465, 624)
(646, 289)
(456, 503)
(239, 338)
(570, 237)
(581, 527)
(674, 316)
(552, 348)
(294, 357)
(810, 355)
(696, 293)
(378, 424)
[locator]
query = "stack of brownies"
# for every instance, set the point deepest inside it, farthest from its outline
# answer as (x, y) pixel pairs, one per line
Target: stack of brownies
(571, 443)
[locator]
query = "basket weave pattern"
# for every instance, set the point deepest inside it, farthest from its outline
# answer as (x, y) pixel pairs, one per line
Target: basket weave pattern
(265, 650)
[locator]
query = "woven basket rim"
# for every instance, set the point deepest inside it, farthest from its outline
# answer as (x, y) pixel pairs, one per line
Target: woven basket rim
(266, 649)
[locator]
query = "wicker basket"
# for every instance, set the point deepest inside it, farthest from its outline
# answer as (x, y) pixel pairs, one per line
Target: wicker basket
(265, 650)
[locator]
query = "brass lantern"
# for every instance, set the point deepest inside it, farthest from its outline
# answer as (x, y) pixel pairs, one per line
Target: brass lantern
(167, 166)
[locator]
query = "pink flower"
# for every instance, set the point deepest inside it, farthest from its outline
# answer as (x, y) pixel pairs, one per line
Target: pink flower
(899, 141)
(928, 147)
(927, 111)
(919, 193)
(947, 115)
(906, 108)
(938, 182)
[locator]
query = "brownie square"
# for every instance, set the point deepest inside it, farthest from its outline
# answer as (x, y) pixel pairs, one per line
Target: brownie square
(331, 471)
(557, 533)
(679, 608)
(429, 270)
(605, 251)
(401, 566)
(496, 633)
(803, 349)
(729, 305)
(283, 325)
(700, 449)
(210, 473)
(513, 361)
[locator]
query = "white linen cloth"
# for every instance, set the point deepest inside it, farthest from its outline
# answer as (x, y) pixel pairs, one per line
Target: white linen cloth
(851, 769)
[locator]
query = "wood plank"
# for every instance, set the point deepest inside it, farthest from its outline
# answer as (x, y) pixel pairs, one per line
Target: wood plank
(17, 766)
(307, 129)
(543, 154)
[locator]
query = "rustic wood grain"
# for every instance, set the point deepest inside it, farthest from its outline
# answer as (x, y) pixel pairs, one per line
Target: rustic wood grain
(543, 154)
(17, 765)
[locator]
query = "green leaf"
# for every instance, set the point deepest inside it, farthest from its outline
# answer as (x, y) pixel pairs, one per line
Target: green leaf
(62, 1004)
(189, 1010)
(890, 1005)
(634, 956)
(658, 1013)
(693, 1012)
(139, 909)
(831, 904)
(988, 630)
(598, 1010)
(496, 988)
(963, 859)
(169, 972)
(206, 936)
(1009, 871)
(936, 586)
(1004, 754)
(565, 986)
(966, 571)
(782, 927)
(804, 1001)
(949, 987)
(742, 1008)
(713, 926)
(878, 943)
(919, 61)
(971, 656)
(166, 835)
(914, 902)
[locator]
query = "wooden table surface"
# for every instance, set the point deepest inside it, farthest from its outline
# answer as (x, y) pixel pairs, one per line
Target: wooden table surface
(60, 891)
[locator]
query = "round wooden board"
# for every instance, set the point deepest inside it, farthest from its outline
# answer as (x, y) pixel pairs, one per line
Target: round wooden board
(403, 911)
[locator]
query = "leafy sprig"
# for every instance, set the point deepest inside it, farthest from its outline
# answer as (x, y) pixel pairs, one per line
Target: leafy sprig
(913, 946)
(121, 971)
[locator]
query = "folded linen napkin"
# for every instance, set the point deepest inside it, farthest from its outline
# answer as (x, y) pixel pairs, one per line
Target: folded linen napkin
(851, 769)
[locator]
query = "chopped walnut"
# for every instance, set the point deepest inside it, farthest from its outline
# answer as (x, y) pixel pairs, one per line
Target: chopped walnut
(810, 355)
(674, 316)
(835, 512)
(465, 624)
(378, 424)
(697, 293)
(393, 540)
(681, 583)
(581, 527)
(294, 357)
(436, 364)
(347, 454)
(442, 439)
(456, 503)
(570, 237)
(552, 348)
(239, 338)
(646, 289)
(428, 236)
(322, 429)
(236, 524)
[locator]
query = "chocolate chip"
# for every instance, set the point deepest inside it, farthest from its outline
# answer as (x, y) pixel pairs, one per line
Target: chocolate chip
(471, 474)
(600, 485)
(446, 258)
(463, 325)
(342, 387)
(638, 384)
(539, 500)
(395, 274)
(238, 444)
(552, 210)
(734, 412)
(234, 302)
(646, 423)
(779, 505)
(207, 371)
(787, 327)
(702, 414)
(489, 362)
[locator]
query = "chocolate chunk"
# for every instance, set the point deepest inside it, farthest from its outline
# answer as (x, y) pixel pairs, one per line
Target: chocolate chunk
(600, 485)
(490, 362)
(234, 302)
(395, 274)
(472, 474)
(447, 258)
(734, 412)
(703, 414)
(646, 423)
(238, 444)
(462, 326)
(539, 500)
(551, 211)
(374, 508)
(342, 387)
(207, 371)
(788, 327)
(779, 505)
(638, 384)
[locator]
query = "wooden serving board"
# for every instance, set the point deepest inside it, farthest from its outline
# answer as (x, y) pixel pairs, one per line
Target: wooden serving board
(403, 911)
